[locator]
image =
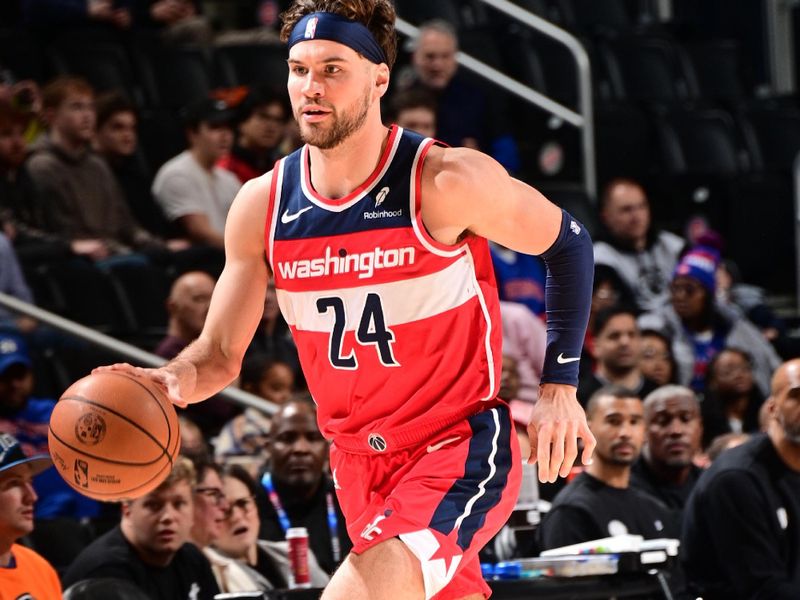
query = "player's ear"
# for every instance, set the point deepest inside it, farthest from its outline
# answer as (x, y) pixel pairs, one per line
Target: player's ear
(382, 79)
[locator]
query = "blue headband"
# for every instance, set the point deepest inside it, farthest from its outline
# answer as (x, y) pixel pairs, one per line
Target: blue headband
(333, 27)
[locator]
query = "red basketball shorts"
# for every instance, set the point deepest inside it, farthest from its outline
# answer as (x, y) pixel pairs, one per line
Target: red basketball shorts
(444, 498)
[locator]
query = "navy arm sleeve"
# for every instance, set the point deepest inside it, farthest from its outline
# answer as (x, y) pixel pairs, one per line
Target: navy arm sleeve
(568, 297)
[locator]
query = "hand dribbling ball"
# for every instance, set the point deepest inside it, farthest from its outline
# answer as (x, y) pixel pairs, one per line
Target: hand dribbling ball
(113, 436)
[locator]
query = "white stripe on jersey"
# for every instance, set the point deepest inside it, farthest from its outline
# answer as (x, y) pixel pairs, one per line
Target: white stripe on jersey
(403, 301)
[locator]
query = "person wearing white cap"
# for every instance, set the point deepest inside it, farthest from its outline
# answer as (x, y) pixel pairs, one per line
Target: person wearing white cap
(23, 573)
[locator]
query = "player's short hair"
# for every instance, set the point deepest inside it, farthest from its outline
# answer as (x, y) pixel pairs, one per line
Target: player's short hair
(376, 15)
(613, 391)
(56, 92)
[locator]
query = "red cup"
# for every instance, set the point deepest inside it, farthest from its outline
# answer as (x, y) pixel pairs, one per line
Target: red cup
(298, 557)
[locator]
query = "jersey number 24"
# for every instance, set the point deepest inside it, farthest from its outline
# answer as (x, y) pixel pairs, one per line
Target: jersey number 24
(372, 331)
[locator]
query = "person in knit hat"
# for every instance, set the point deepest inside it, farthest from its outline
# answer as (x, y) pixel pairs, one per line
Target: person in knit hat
(700, 327)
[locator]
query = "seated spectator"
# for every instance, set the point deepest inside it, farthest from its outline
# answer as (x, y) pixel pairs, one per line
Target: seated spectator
(640, 254)
(524, 340)
(12, 282)
(299, 493)
(193, 192)
(724, 442)
(84, 201)
(732, 400)
(24, 96)
(266, 561)
(211, 509)
(187, 306)
(261, 120)
(666, 468)
(414, 109)
(657, 362)
(741, 534)
(273, 337)
(520, 277)
(600, 502)
(700, 328)
(22, 211)
(116, 141)
(247, 434)
(466, 116)
(26, 417)
(617, 353)
(23, 573)
(150, 547)
(178, 21)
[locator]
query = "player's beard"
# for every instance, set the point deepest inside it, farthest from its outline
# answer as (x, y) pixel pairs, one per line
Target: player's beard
(327, 137)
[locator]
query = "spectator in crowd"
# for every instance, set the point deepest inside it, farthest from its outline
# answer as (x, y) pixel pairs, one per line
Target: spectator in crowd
(246, 435)
(732, 400)
(700, 328)
(666, 469)
(194, 193)
(151, 547)
(600, 502)
(84, 201)
(116, 141)
(260, 128)
(273, 337)
(22, 212)
(12, 282)
(193, 443)
(724, 442)
(642, 256)
(23, 573)
(26, 418)
(267, 561)
(24, 96)
(465, 115)
(187, 306)
(178, 21)
(211, 510)
(617, 353)
(520, 277)
(414, 109)
(524, 340)
(299, 492)
(657, 362)
(741, 534)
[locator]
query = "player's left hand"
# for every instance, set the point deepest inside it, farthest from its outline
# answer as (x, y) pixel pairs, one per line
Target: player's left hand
(557, 421)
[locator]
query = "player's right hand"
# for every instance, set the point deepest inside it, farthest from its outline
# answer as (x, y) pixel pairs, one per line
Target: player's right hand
(162, 377)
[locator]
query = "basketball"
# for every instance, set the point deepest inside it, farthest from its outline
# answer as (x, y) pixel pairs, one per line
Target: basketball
(113, 436)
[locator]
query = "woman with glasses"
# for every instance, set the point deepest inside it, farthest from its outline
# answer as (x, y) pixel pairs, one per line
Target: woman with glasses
(266, 562)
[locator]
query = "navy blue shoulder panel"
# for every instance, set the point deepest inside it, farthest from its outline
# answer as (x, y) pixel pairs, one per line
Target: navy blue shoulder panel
(386, 205)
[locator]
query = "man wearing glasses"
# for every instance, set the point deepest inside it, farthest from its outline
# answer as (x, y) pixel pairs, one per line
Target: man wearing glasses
(150, 547)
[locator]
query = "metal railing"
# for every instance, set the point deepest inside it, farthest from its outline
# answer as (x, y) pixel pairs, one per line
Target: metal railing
(125, 350)
(584, 119)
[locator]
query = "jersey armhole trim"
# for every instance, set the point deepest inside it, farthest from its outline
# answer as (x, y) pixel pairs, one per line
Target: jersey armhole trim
(273, 203)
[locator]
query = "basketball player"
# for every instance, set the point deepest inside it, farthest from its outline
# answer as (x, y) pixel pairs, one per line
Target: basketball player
(376, 239)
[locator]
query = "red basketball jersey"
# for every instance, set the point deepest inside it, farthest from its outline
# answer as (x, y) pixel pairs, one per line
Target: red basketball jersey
(397, 333)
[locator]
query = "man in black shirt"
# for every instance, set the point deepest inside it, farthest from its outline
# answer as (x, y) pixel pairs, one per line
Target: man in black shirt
(599, 502)
(617, 352)
(674, 430)
(150, 547)
(297, 492)
(741, 534)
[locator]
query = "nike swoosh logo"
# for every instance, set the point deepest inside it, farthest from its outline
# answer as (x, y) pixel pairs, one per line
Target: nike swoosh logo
(562, 361)
(287, 218)
(435, 447)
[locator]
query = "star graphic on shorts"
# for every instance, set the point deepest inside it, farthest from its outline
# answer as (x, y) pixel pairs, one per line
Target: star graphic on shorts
(448, 547)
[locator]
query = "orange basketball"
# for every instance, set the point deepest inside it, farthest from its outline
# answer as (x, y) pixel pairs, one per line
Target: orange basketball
(113, 436)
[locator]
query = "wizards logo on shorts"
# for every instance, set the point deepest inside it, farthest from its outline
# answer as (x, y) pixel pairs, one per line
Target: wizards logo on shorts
(311, 28)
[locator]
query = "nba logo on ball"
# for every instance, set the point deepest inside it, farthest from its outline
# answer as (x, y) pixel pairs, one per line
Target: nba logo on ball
(311, 28)
(376, 442)
(81, 473)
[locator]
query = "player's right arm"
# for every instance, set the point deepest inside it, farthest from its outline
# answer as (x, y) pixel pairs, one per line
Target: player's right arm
(213, 360)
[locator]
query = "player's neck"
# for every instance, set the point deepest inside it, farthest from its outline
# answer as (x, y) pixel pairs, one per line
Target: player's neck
(338, 171)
